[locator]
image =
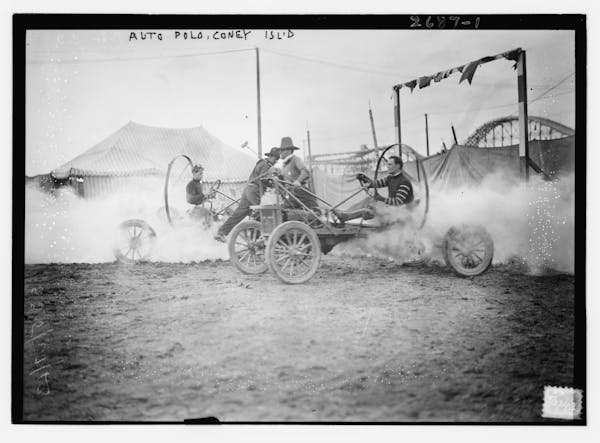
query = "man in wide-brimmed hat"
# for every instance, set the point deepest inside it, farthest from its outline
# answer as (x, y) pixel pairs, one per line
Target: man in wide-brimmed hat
(296, 172)
(251, 195)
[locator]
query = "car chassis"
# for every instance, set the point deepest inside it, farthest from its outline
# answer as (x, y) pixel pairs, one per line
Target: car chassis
(287, 237)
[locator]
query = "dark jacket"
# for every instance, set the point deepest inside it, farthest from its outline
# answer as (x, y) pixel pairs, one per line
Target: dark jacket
(193, 193)
(259, 173)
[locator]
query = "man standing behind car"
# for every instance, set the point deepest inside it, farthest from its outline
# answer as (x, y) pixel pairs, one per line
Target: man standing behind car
(251, 195)
(294, 171)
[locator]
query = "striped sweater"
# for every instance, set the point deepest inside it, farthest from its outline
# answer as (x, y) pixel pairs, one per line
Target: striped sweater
(400, 190)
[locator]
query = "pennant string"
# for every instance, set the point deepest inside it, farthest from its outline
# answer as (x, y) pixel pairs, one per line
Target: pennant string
(467, 70)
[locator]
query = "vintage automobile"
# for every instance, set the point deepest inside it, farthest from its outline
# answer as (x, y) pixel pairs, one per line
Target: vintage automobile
(135, 238)
(287, 237)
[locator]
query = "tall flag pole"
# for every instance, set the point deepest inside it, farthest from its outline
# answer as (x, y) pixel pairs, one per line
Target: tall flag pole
(397, 120)
(523, 117)
(258, 103)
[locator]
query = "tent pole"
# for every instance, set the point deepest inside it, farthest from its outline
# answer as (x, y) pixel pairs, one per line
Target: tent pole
(454, 134)
(258, 103)
(523, 117)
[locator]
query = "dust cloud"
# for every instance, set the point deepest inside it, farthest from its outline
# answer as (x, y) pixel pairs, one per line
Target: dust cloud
(63, 228)
(532, 225)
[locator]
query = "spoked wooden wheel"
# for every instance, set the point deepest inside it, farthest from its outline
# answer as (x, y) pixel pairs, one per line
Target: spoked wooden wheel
(134, 241)
(293, 252)
(247, 248)
(468, 250)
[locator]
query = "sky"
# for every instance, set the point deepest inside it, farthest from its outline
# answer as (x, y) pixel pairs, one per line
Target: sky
(81, 86)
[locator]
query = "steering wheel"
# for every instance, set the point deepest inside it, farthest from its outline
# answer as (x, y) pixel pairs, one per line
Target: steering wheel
(168, 175)
(215, 187)
(371, 192)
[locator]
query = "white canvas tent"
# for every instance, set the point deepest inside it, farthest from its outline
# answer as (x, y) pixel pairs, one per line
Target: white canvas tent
(138, 150)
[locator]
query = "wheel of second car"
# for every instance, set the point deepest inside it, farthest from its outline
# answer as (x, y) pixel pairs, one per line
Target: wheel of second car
(293, 252)
(468, 250)
(416, 253)
(134, 241)
(247, 248)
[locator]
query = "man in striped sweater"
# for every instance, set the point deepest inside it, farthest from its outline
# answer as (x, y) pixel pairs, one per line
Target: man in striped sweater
(400, 190)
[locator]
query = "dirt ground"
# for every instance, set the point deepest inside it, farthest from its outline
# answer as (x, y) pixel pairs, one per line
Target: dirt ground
(364, 340)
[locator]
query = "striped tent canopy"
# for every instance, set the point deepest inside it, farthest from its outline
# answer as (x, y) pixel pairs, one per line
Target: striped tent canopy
(137, 149)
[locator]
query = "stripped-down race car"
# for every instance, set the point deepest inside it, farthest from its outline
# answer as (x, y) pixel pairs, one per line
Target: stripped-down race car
(287, 237)
(135, 238)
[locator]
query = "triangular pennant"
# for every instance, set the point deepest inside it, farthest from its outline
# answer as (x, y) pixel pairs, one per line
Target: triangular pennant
(469, 71)
(439, 76)
(412, 85)
(424, 82)
(512, 55)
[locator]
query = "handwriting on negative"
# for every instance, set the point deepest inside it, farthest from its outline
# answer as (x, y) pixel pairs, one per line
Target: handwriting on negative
(230, 34)
(440, 22)
(41, 367)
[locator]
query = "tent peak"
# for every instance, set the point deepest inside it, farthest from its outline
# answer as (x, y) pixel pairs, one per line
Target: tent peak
(133, 124)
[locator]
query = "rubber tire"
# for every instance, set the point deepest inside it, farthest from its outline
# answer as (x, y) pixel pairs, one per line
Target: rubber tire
(315, 244)
(139, 224)
(423, 261)
(488, 252)
(231, 247)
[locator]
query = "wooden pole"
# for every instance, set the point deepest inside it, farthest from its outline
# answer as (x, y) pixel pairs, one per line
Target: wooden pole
(375, 145)
(454, 134)
(523, 117)
(258, 104)
(427, 134)
(397, 121)
(310, 168)
(309, 150)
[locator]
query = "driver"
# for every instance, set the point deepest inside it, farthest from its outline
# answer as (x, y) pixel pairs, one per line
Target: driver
(400, 190)
(193, 191)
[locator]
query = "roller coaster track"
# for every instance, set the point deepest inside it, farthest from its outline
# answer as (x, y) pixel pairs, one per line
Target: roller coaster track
(505, 132)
